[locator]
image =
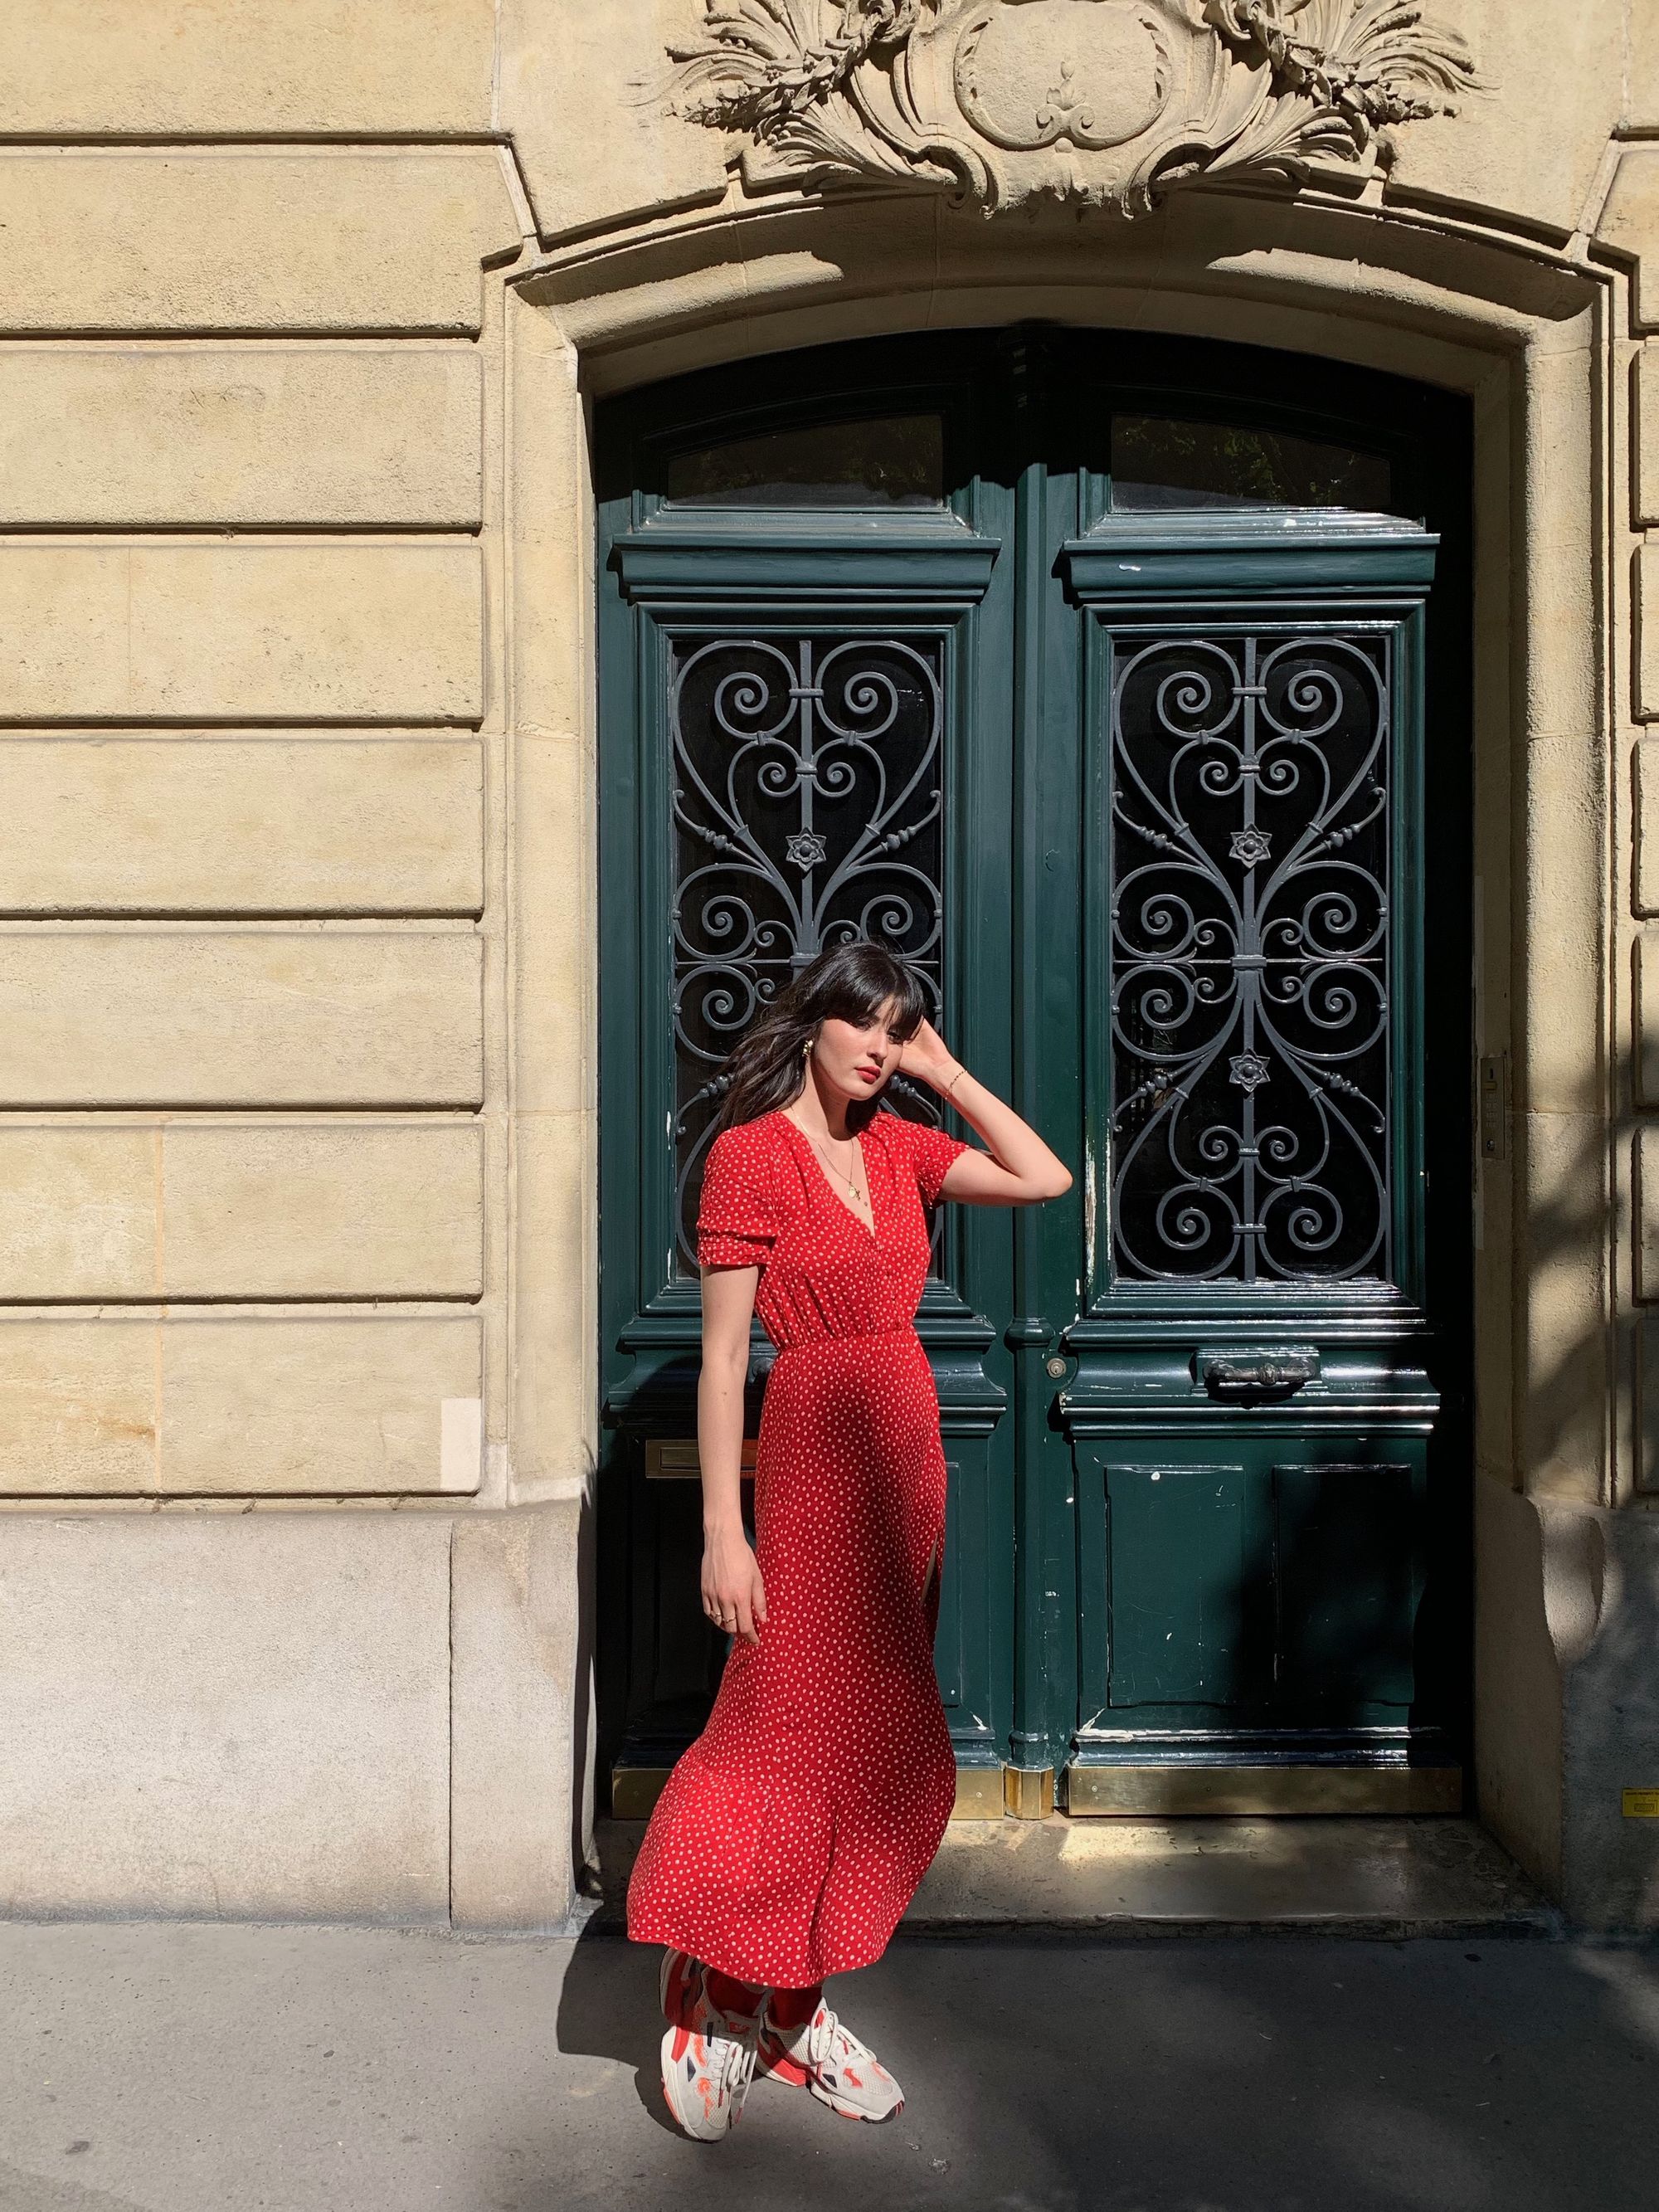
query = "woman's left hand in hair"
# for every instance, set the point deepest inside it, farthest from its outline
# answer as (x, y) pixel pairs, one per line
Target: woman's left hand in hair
(926, 1054)
(1018, 1169)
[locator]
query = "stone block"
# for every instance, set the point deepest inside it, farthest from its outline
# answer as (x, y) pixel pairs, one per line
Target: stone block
(1530, 144)
(78, 1413)
(1610, 1562)
(236, 632)
(339, 1210)
(1645, 770)
(245, 1210)
(1645, 1160)
(341, 1407)
(210, 825)
(77, 1213)
(223, 1715)
(1566, 804)
(136, 437)
(1518, 1748)
(1561, 1265)
(1647, 633)
(602, 61)
(1642, 66)
(555, 838)
(1630, 223)
(1644, 956)
(518, 1714)
(250, 238)
(556, 1264)
(1646, 424)
(236, 68)
(548, 488)
(239, 1017)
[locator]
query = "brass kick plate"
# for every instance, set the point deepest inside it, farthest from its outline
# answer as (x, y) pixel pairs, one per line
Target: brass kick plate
(979, 1794)
(1028, 1792)
(1156, 1792)
(1141, 1793)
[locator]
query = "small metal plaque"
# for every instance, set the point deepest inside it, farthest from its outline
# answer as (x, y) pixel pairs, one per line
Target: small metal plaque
(1642, 1804)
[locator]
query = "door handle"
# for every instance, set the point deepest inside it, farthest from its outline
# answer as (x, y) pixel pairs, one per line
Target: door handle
(1252, 1374)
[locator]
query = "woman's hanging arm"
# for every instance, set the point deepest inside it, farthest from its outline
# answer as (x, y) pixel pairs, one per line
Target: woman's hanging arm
(731, 1583)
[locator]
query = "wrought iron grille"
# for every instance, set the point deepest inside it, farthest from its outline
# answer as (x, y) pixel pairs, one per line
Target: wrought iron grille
(807, 811)
(1250, 943)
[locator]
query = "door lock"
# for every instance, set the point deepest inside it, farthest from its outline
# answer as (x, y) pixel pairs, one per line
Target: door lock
(1246, 1375)
(1056, 1367)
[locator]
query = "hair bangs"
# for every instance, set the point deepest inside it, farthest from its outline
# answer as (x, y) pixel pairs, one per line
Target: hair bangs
(859, 994)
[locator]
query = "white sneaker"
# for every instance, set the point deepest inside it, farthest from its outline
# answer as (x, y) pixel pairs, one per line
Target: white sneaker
(707, 2069)
(828, 2059)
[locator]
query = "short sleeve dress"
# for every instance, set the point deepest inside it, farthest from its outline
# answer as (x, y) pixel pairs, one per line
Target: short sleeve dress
(791, 1835)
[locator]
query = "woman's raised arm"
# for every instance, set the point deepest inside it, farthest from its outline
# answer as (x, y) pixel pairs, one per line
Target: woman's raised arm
(1018, 1168)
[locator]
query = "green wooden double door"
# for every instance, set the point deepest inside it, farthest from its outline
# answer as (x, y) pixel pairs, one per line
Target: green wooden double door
(1121, 683)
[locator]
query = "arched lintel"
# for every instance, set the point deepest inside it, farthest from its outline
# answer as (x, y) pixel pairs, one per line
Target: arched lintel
(1417, 293)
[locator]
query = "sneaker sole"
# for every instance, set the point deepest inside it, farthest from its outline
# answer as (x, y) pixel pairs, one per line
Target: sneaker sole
(852, 2111)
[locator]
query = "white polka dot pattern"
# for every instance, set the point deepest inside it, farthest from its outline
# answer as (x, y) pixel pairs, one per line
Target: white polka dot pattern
(792, 1834)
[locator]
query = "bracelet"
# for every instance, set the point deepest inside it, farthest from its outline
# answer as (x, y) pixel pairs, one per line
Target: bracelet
(951, 1084)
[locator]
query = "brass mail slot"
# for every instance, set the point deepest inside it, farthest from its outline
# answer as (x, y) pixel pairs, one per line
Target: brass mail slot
(636, 1790)
(674, 1459)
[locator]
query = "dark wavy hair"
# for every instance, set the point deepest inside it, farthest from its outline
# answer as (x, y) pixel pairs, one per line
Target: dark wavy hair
(849, 982)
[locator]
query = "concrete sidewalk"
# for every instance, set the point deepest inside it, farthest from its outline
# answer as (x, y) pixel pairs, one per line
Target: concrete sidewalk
(228, 2069)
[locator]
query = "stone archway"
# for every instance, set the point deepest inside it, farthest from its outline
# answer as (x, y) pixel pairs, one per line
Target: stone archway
(1521, 329)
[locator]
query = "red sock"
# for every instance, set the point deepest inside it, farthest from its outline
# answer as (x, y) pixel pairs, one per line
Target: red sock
(793, 2009)
(732, 1995)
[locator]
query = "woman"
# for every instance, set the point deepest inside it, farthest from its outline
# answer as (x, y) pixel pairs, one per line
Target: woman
(792, 1834)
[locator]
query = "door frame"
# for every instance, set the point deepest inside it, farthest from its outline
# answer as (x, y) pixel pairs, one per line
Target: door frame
(979, 1377)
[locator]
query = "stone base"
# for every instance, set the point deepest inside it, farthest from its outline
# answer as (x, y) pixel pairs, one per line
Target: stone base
(346, 1715)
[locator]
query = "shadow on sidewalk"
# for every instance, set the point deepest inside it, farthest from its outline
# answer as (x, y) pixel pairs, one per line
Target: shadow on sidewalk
(1252, 2074)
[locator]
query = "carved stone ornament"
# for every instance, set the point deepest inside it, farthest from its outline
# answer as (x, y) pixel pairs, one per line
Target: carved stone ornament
(1096, 102)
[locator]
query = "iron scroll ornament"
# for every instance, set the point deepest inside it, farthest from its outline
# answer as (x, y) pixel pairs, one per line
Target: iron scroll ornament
(807, 811)
(1250, 849)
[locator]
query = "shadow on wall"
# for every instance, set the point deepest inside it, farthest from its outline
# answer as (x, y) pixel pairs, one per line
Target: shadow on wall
(1598, 1566)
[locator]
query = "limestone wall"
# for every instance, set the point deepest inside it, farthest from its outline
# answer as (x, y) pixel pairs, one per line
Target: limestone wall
(299, 303)
(254, 1151)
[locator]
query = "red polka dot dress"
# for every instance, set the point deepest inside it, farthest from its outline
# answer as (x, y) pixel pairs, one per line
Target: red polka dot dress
(791, 1835)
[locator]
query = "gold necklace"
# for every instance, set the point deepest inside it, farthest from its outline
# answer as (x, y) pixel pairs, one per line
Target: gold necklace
(857, 1192)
